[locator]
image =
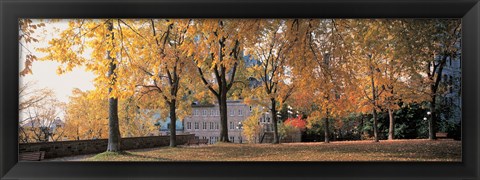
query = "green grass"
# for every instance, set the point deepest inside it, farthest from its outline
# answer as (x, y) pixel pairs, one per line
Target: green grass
(110, 155)
(397, 150)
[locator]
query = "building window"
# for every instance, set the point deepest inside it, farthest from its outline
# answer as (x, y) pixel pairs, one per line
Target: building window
(196, 113)
(268, 119)
(240, 112)
(216, 125)
(232, 139)
(196, 125)
(204, 125)
(204, 113)
(212, 113)
(231, 125)
(211, 125)
(189, 125)
(232, 112)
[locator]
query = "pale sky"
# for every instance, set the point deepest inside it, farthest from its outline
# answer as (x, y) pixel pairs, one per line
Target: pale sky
(44, 72)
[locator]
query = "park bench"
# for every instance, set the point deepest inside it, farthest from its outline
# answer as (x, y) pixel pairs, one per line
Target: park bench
(192, 141)
(441, 135)
(197, 141)
(32, 156)
(203, 141)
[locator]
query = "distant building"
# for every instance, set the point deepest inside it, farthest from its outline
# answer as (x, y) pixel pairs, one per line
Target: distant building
(38, 123)
(452, 97)
(204, 121)
(44, 129)
(164, 125)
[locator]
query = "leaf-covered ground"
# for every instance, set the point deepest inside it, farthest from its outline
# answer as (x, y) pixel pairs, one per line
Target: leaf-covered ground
(397, 150)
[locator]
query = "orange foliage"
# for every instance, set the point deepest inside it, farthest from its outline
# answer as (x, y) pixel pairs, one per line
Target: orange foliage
(297, 122)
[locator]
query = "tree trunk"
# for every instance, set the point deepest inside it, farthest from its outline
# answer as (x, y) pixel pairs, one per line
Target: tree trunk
(276, 139)
(433, 88)
(173, 124)
(375, 134)
(432, 119)
(374, 99)
(223, 93)
(362, 131)
(113, 126)
(327, 130)
(222, 101)
(391, 128)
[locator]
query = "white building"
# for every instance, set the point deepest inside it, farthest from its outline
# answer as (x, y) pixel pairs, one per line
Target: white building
(204, 121)
(452, 97)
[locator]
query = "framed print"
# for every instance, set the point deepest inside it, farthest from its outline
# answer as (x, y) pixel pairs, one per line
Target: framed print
(239, 89)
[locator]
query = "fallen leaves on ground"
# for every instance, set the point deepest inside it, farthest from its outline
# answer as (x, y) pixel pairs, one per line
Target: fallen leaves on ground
(396, 150)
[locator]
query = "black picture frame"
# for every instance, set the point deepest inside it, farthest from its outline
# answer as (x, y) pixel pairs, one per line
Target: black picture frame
(11, 10)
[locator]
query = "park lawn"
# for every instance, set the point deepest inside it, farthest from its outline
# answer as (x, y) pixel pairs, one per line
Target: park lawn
(396, 150)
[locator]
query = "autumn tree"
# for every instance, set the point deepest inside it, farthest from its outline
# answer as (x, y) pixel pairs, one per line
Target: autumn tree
(29, 95)
(38, 121)
(27, 28)
(85, 116)
(38, 109)
(100, 39)
(215, 46)
(376, 51)
(159, 66)
(297, 122)
(251, 126)
(436, 42)
(370, 50)
(397, 72)
(324, 69)
(270, 46)
(136, 117)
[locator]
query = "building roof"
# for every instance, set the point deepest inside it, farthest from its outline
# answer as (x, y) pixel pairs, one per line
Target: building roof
(197, 104)
(203, 105)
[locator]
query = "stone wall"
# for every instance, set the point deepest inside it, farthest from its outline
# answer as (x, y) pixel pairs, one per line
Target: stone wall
(69, 148)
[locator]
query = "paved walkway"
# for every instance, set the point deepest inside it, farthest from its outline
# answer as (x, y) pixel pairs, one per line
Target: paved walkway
(71, 158)
(86, 156)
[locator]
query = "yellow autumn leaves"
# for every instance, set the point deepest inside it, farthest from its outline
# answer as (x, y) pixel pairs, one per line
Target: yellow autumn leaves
(335, 65)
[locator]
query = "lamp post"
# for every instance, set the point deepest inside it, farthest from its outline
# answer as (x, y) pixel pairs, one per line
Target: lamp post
(157, 124)
(289, 113)
(240, 127)
(429, 114)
